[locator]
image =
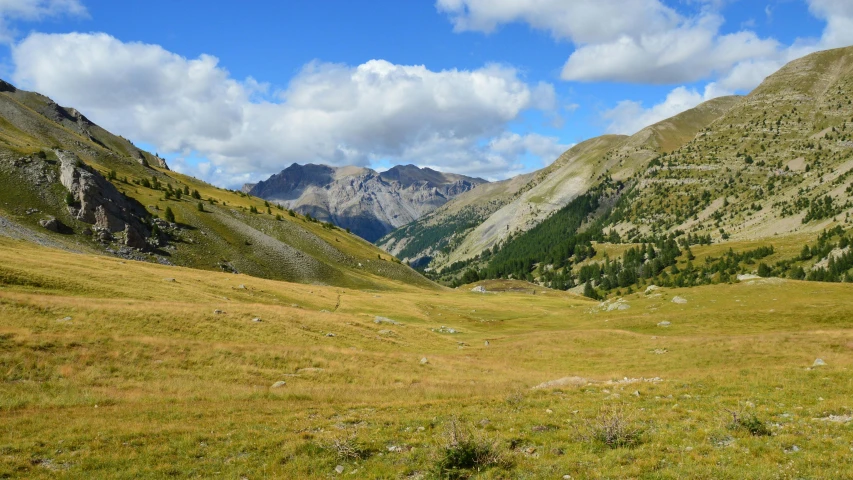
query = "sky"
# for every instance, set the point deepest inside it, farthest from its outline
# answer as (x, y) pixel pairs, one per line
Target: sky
(232, 92)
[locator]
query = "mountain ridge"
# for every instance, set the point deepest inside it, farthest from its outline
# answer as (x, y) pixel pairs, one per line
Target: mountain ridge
(367, 202)
(67, 183)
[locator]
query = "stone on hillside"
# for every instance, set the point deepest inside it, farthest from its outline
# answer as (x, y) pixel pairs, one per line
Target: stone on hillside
(748, 276)
(424, 361)
(64, 319)
(330, 334)
(218, 312)
(664, 324)
(279, 384)
(679, 300)
(381, 320)
(52, 224)
(444, 329)
(257, 320)
(651, 288)
(133, 239)
(386, 332)
(819, 363)
(479, 289)
(339, 469)
(170, 280)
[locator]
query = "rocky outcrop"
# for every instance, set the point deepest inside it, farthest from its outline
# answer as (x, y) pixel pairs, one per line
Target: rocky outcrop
(96, 201)
(369, 203)
(52, 225)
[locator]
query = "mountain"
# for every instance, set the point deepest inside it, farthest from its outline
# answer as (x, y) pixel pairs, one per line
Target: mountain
(67, 183)
(480, 219)
(368, 203)
(774, 166)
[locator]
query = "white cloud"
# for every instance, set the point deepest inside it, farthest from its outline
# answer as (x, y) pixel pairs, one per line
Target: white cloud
(634, 41)
(628, 117)
(745, 73)
(838, 15)
(513, 145)
(581, 21)
(33, 10)
(688, 53)
(329, 113)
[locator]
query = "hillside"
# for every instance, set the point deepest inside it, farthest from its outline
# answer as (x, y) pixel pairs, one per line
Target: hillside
(778, 163)
(772, 170)
(368, 203)
(485, 217)
(67, 183)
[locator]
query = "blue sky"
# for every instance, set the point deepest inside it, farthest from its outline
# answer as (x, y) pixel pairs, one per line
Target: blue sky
(234, 91)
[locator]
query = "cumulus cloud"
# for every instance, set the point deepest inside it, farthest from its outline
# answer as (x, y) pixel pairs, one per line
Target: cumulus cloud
(838, 15)
(691, 52)
(630, 116)
(32, 10)
(581, 21)
(646, 41)
(329, 113)
(635, 41)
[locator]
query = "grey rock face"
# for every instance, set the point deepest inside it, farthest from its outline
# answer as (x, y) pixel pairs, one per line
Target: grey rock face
(133, 239)
(99, 203)
(369, 203)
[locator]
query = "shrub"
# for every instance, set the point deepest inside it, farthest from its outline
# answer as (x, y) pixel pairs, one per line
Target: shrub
(196, 195)
(750, 423)
(613, 428)
(200, 207)
(348, 447)
(69, 199)
(169, 215)
(462, 454)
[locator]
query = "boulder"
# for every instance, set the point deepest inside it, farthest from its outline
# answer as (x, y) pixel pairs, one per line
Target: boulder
(133, 239)
(96, 201)
(52, 224)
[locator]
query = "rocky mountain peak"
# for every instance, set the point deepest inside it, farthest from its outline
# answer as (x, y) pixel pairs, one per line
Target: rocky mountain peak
(371, 204)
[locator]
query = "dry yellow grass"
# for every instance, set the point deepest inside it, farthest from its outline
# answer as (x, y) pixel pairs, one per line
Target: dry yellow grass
(146, 381)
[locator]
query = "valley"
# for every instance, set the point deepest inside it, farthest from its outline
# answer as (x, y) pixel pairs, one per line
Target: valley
(671, 304)
(137, 370)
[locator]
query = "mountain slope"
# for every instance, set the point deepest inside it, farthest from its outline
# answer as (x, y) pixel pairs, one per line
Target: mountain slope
(775, 169)
(67, 183)
(767, 167)
(368, 203)
(483, 218)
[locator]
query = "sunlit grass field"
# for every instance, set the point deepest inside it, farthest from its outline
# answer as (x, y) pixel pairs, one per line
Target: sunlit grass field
(120, 369)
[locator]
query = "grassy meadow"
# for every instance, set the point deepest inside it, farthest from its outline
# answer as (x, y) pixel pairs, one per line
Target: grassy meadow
(121, 369)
